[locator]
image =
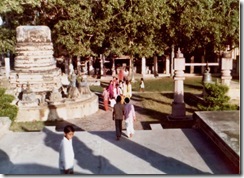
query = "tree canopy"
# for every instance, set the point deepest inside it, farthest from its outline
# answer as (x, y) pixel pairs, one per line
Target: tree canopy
(132, 27)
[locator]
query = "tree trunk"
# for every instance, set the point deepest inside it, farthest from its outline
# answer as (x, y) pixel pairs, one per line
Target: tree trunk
(155, 64)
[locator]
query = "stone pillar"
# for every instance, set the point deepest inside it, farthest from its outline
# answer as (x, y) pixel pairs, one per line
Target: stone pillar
(89, 65)
(192, 67)
(172, 60)
(155, 64)
(167, 64)
(237, 65)
(101, 64)
(78, 65)
(143, 66)
(226, 67)
(7, 66)
(130, 67)
(178, 105)
(113, 67)
(71, 67)
(133, 70)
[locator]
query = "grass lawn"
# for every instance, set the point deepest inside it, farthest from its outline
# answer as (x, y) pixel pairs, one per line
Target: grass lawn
(159, 105)
(160, 84)
(166, 84)
(27, 126)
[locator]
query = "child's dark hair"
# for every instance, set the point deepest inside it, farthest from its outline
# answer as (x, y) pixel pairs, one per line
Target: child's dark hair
(69, 128)
(118, 99)
(127, 100)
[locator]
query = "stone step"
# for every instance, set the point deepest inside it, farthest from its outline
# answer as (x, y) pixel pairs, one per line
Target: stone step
(156, 126)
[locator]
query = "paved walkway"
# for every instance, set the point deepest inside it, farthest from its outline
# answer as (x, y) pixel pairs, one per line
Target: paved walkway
(158, 151)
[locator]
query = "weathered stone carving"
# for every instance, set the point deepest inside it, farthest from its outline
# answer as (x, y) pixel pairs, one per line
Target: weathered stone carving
(28, 97)
(46, 97)
(55, 95)
(74, 93)
(34, 62)
(33, 34)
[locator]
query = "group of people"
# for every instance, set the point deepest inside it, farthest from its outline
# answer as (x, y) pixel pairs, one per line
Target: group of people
(118, 94)
(124, 111)
(116, 88)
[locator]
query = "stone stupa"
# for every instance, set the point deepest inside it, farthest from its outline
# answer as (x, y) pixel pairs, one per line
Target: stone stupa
(35, 67)
(34, 61)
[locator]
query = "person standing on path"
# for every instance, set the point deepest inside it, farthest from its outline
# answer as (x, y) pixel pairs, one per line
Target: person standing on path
(118, 116)
(111, 89)
(130, 117)
(121, 74)
(105, 95)
(129, 89)
(66, 151)
(112, 102)
(142, 85)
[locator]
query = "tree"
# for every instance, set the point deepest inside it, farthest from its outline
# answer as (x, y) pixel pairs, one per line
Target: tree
(13, 14)
(196, 24)
(133, 27)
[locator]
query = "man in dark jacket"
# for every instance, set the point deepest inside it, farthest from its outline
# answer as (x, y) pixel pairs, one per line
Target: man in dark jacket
(118, 116)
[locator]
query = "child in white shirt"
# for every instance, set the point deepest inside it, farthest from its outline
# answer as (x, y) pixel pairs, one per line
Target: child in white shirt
(66, 151)
(112, 102)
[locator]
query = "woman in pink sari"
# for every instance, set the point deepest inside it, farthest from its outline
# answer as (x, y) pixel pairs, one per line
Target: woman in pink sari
(111, 89)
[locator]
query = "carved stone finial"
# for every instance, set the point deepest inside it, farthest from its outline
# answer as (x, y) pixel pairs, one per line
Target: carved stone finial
(179, 53)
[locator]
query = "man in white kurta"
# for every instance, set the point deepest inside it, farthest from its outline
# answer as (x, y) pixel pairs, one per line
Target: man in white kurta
(130, 117)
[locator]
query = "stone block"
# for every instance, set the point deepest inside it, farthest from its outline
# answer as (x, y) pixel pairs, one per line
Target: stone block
(33, 34)
(179, 63)
(226, 64)
(5, 123)
(62, 110)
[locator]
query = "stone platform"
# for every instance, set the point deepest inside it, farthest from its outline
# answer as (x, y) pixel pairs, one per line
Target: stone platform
(63, 110)
(149, 152)
(223, 128)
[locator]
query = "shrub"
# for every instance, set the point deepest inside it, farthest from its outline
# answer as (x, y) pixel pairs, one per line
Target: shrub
(216, 99)
(6, 109)
(2, 91)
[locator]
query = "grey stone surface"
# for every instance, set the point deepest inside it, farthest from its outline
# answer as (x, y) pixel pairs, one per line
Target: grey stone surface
(5, 123)
(160, 151)
(226, 124)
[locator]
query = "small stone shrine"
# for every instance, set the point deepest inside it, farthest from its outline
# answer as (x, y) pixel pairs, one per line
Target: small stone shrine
(28, 98)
